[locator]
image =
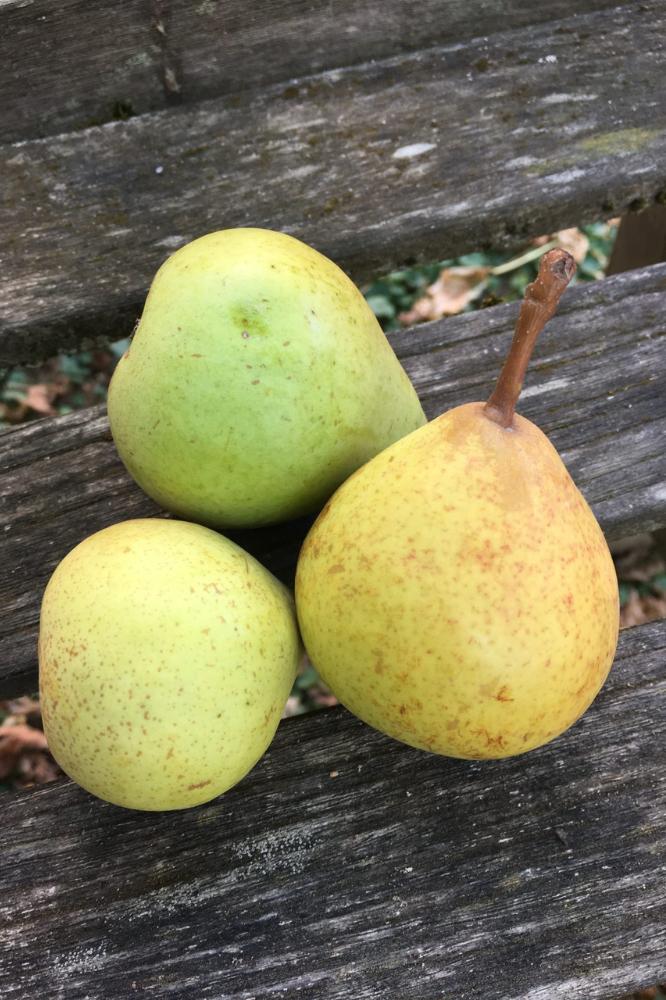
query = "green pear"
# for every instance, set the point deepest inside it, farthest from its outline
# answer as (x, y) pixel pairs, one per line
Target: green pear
(457, 593)
(166, 655)
(257, 381)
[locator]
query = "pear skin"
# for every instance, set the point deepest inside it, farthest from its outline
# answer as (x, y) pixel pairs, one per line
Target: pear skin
(166, 656)
(457, 592)
(468, 607)
(257, 381)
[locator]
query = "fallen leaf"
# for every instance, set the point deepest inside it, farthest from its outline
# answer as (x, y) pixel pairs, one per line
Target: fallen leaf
(22, 706)
(293, 707)
(641, 608)
(15, 740)
(36, 768)
(638, 559)
(575, 242)
(322, 696)
(455, 288)
(622, 547)
(38, 398)
(14, 414)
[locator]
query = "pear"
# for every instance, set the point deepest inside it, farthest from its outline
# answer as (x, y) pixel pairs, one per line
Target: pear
(166, 655)
(457, 593)
(258, 379)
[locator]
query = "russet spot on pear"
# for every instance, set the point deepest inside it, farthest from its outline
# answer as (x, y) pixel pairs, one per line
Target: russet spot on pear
(457, 592)
(166, 656)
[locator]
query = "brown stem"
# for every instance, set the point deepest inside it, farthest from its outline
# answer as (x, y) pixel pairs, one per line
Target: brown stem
(556, 270)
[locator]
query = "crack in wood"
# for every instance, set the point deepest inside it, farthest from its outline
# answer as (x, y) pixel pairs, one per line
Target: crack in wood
(316, 158)
(171, 75)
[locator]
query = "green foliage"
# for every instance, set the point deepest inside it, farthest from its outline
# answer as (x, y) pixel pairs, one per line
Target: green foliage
(14, 385)
(73, 381)
(396, 292)
(61, 385)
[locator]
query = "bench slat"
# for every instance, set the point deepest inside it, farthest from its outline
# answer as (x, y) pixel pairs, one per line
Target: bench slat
(407, 875)
(68, 64)
(424, 154)
(595, 386)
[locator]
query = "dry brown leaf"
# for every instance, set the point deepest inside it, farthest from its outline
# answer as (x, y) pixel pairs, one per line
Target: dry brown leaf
(453, 290)
(21, 706)
(38, 398)
(325, 698)
(293, 707)
(36, 768)
(654, 566)
(14, 414)
(638, 559)
(574, 241)
(14, 741)
(641, 608)
(633, 545)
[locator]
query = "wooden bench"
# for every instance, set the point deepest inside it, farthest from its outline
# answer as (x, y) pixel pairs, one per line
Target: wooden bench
(346, 866)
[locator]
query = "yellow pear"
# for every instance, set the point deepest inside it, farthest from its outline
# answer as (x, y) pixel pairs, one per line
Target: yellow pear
(457, 592)
(166, 655)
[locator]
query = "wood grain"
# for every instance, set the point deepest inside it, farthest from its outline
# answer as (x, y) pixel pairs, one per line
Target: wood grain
(69, 64)
(640, 240)
(345, 866)
(422, 155)
(595, 385)
(349, 867)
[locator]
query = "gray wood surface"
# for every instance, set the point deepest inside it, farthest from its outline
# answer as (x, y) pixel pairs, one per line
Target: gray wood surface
(595, 385)
(349, 867)
(425, 154)
(68, 64)
(346, 866)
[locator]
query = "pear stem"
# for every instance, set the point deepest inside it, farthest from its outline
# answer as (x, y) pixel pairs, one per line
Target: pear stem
(556, 270)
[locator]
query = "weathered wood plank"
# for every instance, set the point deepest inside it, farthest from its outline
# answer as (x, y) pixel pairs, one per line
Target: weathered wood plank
(595, 386)
(69, 64)
(425, 154)
(66, 64)
(406, 875)
(640, 241)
